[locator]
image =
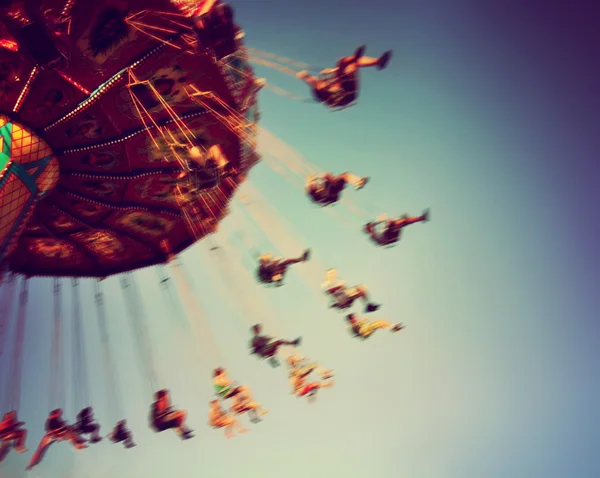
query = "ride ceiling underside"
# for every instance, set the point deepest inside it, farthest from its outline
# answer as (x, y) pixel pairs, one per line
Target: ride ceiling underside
(119, 118)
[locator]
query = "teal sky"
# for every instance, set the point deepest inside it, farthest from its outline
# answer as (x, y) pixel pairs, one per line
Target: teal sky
(482, 116)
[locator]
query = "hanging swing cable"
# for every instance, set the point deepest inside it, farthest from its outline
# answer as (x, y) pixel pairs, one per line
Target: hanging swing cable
(80, 388)
(16, 368)
(139, 330)
(164, 281)
(112, 379)
(56, 377)
(193, 309)
(253, 304)
(7, 305)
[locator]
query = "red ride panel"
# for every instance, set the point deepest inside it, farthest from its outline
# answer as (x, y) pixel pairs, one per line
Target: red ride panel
(102, 43)
(107, 160)
(50, 98)
(91, 126)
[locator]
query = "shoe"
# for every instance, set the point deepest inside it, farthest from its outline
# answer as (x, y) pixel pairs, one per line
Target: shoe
(426, 215)
(297, 342)
(306, 255)
(363, 183)
(371, 308)
(397, 328)
(384, 60)
(187, 435)
(359, 52)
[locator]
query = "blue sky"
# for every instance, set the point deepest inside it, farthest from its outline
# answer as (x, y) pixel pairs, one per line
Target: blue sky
(483, 116)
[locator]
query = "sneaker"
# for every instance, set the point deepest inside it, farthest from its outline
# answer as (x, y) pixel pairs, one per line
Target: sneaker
(384, 60)
(306, 255)
(297, 342)
(371, 307)
(363, 183)
(397, 328)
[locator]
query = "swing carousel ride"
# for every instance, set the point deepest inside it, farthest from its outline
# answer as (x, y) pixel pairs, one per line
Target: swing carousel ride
(126, 128)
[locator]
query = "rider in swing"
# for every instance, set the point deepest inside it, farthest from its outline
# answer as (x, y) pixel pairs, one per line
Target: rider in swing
(85, 425)
(300, 369)
(364, 328)
(57, 429)
(12, 435)
(164, 417)
(272, 270)
(122, 434)
(219, 418)
(266, 347)
(243, 402)
(216, 28)
(390, 232)
(326, 188)
(338, 86)
(343, 296)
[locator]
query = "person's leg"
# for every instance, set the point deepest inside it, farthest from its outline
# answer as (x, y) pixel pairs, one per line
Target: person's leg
(183, 430)
(75, 439)
(238, 426)
(40, 452)
(273, 347)
(4, 450)
(20, 438)
(128, 441)
(380, 63)
(407, 221)
(229, 425)
(361, 292)
(95, 433)
(369, 328)
(354, 179)
(288, 262)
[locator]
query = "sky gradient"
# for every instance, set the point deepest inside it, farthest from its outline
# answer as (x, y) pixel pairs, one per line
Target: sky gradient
(487, 116)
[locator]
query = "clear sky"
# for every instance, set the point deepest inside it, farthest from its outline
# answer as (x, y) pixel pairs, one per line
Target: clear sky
(484, 115)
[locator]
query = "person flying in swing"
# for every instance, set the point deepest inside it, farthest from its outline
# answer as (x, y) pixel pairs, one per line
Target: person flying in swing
(364, 328)
(343, 296)
(266, 347)
(122, 434)
(57, 429)
(272, 270)
(224, 387)
(216, 28)
(12, 435)
(338, 87)
(325, 188)
(85, 425)
(243, 402)
(164, 417)
(299, 372)
(390, 232)
(218, 418)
